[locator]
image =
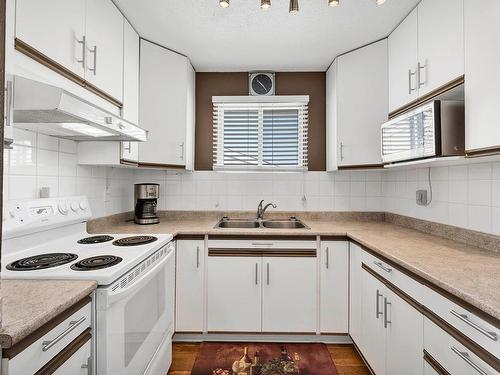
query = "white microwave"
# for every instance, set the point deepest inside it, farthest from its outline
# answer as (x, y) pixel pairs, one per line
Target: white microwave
(435, 129)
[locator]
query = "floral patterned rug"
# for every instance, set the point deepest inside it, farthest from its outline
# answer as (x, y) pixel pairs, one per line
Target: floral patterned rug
(221, 358)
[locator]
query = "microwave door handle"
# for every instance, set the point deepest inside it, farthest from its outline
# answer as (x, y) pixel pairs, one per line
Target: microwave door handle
(144, 279)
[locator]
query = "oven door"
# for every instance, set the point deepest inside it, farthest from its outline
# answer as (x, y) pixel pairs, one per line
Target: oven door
(135, 315)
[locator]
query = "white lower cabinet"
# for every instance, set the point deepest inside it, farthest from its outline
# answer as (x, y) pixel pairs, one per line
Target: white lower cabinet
(189, 305)
(355, 295)
(289, 302)
(334, 289)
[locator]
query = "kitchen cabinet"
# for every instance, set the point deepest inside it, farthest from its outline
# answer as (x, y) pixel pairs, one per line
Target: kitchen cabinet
(234, 294)
(166, 107)
(355, 295)
(189, 296)
(289, 302)
(350, 86)
(426, 51)
(334, 287)
(482, 59)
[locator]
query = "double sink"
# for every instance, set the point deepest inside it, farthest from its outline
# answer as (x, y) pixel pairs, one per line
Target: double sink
(290, 223)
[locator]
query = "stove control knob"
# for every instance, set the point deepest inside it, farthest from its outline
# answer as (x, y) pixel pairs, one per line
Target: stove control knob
(74, 206)
(83, 205)
(63, 207)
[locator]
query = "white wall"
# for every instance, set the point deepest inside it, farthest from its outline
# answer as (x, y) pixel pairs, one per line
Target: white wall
(466, 196)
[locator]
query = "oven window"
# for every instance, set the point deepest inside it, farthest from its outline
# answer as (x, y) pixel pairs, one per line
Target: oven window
(142, 312)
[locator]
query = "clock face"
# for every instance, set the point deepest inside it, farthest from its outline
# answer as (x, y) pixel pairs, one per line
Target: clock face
(262, 84)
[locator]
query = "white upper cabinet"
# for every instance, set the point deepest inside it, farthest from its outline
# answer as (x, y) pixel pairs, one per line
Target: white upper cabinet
(482, 62)
(105, 47)
(426, 51)
(57, 34)
(166, 80)
(403, 57)
(356, 80)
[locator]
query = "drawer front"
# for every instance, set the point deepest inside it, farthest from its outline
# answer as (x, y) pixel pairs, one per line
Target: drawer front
(46, 347)
(261, 244)
(450, 354)
(78, 364)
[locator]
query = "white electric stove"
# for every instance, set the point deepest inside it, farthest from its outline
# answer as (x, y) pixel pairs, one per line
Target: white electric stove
(47, 239)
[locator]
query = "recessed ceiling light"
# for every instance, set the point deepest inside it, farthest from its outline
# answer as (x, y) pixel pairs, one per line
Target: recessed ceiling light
(333, 3)
(224, 3)
(265, 4)
(379, 2)
(294, 6)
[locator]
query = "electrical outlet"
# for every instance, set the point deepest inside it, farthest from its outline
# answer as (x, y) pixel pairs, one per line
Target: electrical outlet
(422, 197)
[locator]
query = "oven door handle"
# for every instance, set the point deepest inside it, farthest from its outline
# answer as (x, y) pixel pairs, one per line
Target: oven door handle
(143, 280)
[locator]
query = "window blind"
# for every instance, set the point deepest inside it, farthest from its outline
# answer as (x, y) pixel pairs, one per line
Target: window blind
(253, 134)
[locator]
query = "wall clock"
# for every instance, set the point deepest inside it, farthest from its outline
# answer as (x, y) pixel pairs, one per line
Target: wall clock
(261, 83)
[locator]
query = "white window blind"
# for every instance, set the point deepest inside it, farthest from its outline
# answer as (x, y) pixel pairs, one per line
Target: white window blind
(260, 132)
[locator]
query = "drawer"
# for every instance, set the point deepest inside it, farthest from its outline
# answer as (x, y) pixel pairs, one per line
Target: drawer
(261, 244)
(478, 330)
(452, 355)
(50, 344)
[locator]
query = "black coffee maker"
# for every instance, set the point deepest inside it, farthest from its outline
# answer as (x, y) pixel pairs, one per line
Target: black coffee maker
(146, 199)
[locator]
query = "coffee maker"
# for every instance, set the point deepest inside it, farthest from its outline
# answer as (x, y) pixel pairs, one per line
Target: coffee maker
(146, 198)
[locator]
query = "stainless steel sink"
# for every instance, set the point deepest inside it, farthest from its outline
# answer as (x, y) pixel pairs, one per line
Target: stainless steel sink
(237, 223)
(291, 223)
(284, 224)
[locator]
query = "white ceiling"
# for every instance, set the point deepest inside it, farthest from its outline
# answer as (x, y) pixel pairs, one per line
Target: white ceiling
(244, 37)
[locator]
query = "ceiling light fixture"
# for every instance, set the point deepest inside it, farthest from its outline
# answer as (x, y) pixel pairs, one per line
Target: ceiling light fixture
(224, 3)
(294, 6)
(379, 2)
(333, 3)
(265, 4)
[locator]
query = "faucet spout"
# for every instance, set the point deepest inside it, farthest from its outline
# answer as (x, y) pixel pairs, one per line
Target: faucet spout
(261, 210)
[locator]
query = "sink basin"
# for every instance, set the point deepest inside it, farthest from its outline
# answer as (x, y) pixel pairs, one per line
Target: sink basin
(283, 224)
(238, 223)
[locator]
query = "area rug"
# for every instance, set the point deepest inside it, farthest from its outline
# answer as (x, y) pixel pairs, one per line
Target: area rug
(221, 358)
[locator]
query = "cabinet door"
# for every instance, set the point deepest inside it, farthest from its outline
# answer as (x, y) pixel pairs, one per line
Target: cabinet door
(482, 61)
(190, 118)
(78, 363)
(405, 329)
(334, 289)
(162, 108)
(358, 132)
(289, 302)
(53, 27)
(234, 294)
(373, 333)
(104, 30)
(356, 295)
(440, 43)
(403, 63)
(190, 283)
(130, 74)
(130, 151)
(331, 117)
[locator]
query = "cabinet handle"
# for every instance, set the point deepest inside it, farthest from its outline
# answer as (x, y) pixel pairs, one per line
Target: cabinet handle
(46, 345)
(381, 265)
(466, 357)
(256, 272)
(83, 60)
(378, 295)
(262, 244)
(94, 52)
(341, 151)
(182, 151)
(419, 69)
(465, 318)
(327, 251)
(88, 366)
(127, 149)
(410, 74)
(386, 321)
(267, 272)
(197, 257)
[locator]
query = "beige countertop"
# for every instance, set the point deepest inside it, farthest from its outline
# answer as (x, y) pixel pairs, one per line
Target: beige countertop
(28, 304)
(468, 272)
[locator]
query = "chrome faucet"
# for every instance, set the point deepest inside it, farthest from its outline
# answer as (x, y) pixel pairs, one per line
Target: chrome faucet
(261, 211)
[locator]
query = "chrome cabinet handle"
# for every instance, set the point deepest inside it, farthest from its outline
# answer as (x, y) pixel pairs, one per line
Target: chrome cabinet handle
(94, 52)
(88, 366)
(378, 295)
(182, 151)
(46, 345)
(381, 265)
(386, 321)
(127, 149)
(83, 60)
(410, 74)
(465, 319)
(256, 272)
(419, 69)
(197, 257)
(261, 244)
(341, 151)
(267, 273)
(466, 357)
(327, 257)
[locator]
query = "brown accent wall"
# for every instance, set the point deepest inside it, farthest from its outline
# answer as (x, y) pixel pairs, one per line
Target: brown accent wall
(289, 83)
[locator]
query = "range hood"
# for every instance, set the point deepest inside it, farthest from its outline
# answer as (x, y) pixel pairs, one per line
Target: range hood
(53, 111)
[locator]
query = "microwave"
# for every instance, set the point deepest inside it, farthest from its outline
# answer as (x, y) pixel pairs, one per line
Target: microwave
(435, 129)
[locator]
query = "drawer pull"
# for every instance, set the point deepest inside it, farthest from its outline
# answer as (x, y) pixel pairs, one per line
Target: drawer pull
(466, 357)
(386, 321)
(381, 265)
(261, 244)
(465, 319)
(46, 345)
(377, 305)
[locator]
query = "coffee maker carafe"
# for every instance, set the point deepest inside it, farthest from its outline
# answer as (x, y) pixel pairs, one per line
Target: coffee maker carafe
(146, 198)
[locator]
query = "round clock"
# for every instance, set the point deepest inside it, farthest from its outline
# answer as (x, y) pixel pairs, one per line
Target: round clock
(262, 84)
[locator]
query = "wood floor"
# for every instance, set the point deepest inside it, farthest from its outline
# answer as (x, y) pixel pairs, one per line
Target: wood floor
(345, 357)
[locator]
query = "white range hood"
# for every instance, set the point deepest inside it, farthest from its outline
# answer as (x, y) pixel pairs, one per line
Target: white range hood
(53, 111)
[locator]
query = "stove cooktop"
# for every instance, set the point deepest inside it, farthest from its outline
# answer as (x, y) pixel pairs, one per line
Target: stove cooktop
(96, 263)
(95, 239)
(134, 240)
(41, 261)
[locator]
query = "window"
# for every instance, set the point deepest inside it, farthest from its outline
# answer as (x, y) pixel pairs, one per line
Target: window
(260, 132)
